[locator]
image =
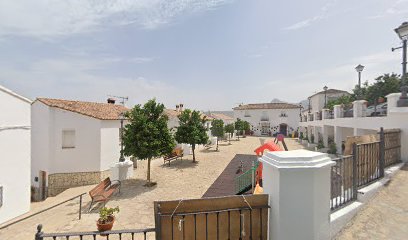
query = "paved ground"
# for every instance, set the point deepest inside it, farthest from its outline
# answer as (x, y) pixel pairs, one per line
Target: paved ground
(182, 179)
(224, 185)
(385, 216)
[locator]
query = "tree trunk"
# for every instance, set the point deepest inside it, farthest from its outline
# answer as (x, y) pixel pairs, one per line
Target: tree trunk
(217, 144)
(148, 170)
(193, 148)
(229, 139)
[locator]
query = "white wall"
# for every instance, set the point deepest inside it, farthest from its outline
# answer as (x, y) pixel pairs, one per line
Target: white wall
(41, 122)
(317, 101)
(48, 154)
(292, 119)
(110, 143)
(14, 155)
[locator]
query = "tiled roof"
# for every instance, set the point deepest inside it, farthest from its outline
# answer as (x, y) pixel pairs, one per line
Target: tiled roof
(330, 91)
(171, 113)
(102, 111)
(220, 116)
(267, 106)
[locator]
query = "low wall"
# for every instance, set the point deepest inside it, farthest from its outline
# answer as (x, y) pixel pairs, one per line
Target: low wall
(59, 182)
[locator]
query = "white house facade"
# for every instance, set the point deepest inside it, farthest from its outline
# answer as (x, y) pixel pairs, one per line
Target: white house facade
(267, 119)
(14, 155)
(318, 100)
(74, 143)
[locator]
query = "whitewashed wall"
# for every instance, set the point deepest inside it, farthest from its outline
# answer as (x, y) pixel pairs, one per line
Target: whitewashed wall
(14, 155)
(110, 143)
(317, 101)
(97, 144)
(292, 119)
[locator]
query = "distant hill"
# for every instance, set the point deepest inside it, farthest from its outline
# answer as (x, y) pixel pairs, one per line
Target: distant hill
(275, 100)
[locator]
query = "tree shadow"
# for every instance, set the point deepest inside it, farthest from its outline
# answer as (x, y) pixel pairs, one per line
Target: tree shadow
(180, 164)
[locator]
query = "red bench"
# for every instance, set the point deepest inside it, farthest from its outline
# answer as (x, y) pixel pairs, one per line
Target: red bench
(103, 191)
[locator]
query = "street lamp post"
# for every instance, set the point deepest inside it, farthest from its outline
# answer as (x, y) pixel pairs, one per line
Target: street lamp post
(309, 105)
(325, 96)
(121, 118)
(402, 32)
(359, 69)
(300, 112)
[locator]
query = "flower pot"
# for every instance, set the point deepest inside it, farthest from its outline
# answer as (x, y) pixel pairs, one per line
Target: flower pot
(105, 226)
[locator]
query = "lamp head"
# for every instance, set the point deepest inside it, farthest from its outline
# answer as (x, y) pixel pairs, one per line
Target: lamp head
(359, 68)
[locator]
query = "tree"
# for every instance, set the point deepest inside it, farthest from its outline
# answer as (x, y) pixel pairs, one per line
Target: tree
(191, 129)
(217, 129)
(238, 126)
(345, 100)
(245, 127)
(229, 128)
(147, 135)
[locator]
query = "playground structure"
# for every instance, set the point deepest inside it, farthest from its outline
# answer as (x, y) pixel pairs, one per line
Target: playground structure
(252, 178)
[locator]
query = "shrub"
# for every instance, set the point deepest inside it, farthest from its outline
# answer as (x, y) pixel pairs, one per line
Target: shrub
(332, 148)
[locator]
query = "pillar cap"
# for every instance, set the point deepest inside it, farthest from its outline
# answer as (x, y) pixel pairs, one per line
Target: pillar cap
(360, 101)
(296, 159)
(393, 95)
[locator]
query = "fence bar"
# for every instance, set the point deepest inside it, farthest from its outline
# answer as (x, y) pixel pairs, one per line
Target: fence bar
(355, 171)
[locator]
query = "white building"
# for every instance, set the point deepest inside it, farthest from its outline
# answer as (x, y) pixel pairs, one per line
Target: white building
(14, 155)
(338, 127)
(269, 118)
(318, 100)
(220, 116)
(74, 143)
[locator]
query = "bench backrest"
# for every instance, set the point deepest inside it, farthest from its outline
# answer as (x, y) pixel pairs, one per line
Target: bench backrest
(100, 187)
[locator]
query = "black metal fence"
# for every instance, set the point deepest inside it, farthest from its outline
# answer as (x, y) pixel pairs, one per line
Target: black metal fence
(114, 234)
(343, 185)
(365, 166)
(392, 146)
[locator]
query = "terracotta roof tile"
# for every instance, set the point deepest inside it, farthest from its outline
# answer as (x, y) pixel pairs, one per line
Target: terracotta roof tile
(221, 116)
(102, 111)
(267, 106)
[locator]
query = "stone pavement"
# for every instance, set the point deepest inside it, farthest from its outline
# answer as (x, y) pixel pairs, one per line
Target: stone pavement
(385, 216)
(183, 179)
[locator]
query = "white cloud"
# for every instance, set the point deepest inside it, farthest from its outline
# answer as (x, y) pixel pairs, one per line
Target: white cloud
(53, 18)
(398, 7)
(341, 76)
(309, 21)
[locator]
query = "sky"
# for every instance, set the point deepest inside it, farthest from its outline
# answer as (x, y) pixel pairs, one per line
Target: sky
(209, 55)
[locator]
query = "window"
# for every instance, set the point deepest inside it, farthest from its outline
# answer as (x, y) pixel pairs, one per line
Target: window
(68, 138)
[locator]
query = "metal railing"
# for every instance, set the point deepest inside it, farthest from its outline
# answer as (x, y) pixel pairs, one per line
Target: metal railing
(245, 180)
(40, 235)
(49, 208)
(370, 164)
(343, 182)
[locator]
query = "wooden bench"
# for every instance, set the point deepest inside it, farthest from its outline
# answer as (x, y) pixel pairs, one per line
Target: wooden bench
(175, 154)
(103, 191)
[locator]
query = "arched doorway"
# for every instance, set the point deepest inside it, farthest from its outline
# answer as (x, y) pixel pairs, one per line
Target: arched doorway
(283, 129)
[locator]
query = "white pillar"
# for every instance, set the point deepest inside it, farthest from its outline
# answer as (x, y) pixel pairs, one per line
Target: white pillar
(316, 116)
(338, 111)
(316, 135)
(392, 100)
(359, 108)
(298, 184)
(338, 138)
(309, 133)
(325, 134)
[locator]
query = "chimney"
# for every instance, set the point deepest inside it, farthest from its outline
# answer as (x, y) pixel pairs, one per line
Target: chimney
(181, 107)
(111, 100)
(177, 108)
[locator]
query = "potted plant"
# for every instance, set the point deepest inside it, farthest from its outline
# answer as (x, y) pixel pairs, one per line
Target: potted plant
(106, 218)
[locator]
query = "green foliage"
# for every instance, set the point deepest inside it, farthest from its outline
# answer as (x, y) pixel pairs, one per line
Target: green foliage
(238, 126)
(301, 135)
(332, 148)
(147, 135)
(345, 100)
(320, 145)
(105, 213)
(246, 126)
(191, 129)
(230, 128)
(217, 129)
(312, 138)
